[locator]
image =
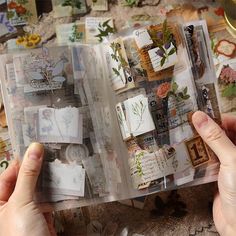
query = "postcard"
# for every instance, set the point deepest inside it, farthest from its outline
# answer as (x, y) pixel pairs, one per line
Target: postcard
(21, 12)
(100, 5)
(70, 33)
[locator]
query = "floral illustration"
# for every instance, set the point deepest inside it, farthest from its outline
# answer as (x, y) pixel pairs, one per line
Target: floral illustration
(72, 3)
(117, 56)
(180, 95)
(76, 36)
(29, 41)
(165, 41)
(104, 30)
(138, 158)
(17, 9)
(138, 109)
(227, 79)
(163, 90)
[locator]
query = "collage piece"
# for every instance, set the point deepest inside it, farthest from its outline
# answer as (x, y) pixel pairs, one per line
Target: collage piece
(158, 47)
(64, 8)
(100, 5)
(21, 12)
(70, 33)
(98, 28)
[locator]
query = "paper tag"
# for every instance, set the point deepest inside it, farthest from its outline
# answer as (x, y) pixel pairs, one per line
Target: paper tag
(100, 5)
(21, 12)
(142, 38)
(138, 115)
(64, 178)
(71, 33)
(163, 59)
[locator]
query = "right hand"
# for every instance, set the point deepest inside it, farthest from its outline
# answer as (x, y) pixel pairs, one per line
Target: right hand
(224, 207)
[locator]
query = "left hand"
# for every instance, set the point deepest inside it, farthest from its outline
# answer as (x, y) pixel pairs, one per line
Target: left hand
(19, 215)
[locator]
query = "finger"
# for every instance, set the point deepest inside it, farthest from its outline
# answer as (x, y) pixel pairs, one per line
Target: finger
(29, 172)
(216, 138)
(229, 122)
(8, 181)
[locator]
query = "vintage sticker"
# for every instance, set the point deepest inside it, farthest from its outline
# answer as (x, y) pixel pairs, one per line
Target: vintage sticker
(197, 150)
(159, 58)
(125, 130)
(70, 33)
(76, 153)
(100, 5)
(43, 69)
(60, 125)
(163, 58)
(226, 75)
(138, 115)
(98, 28)
(63, 8)
(120, 72)
(21, 12)
(67, 179)
(142, 38)
(5, 25)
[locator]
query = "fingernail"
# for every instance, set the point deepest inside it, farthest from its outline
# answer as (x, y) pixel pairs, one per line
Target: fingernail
(35, 151)
(200, 119)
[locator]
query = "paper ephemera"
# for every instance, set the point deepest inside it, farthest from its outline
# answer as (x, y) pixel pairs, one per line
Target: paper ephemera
(5, 25)
(63, 8)
(70, 33)
(142, 38)
(65, 179)
(22, 12)
(60, 125)
(100, 5)
(138, 116)
(98, 28)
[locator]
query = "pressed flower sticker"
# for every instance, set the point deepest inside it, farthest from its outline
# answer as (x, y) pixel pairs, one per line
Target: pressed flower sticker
(29, 41)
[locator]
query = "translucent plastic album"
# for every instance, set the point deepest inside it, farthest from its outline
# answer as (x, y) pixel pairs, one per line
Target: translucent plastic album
(115, 118)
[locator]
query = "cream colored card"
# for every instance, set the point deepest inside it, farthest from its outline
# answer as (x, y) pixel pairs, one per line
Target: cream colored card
(100, 5)
(71, 33)
(138, 115)
(142, 38)
(22, 12)
(98, 28)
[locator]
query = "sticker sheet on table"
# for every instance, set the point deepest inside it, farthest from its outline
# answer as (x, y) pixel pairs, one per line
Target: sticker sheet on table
(115, 118)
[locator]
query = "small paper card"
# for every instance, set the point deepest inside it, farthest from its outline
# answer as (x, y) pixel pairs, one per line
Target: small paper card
(21, 12)
(71, 33)
(142, 38)
(67, 179)
(5, 25)
(63, 125)
(63, 8)
(97, 28)
(138, 115)
(163, 59)
(100, 5)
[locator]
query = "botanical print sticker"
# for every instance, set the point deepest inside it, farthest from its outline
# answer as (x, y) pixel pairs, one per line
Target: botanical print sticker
(43, 69)
(97, 28)
(138, 115)
(60, 125)
(21, 11)
(62, 8)
(227, 85)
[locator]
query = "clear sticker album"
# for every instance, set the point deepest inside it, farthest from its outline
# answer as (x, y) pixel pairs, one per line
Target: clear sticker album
(115, 118)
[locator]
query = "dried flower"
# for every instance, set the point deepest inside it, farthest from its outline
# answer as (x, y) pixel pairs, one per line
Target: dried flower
(12, 5)
(163, 89)
(34, 38)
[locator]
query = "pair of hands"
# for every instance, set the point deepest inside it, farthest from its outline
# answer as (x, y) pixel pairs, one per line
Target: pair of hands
(19, 215)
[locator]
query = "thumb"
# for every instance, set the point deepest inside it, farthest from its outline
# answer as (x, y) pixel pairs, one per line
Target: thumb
(216, 138)
(29, 172)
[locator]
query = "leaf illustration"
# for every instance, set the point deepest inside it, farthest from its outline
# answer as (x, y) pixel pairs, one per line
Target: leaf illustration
(163, 60)
(186, 97)
(116, 71)
(105, 23)
(175, 87)
(229, 91)
(185, 90)
(172, 51)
